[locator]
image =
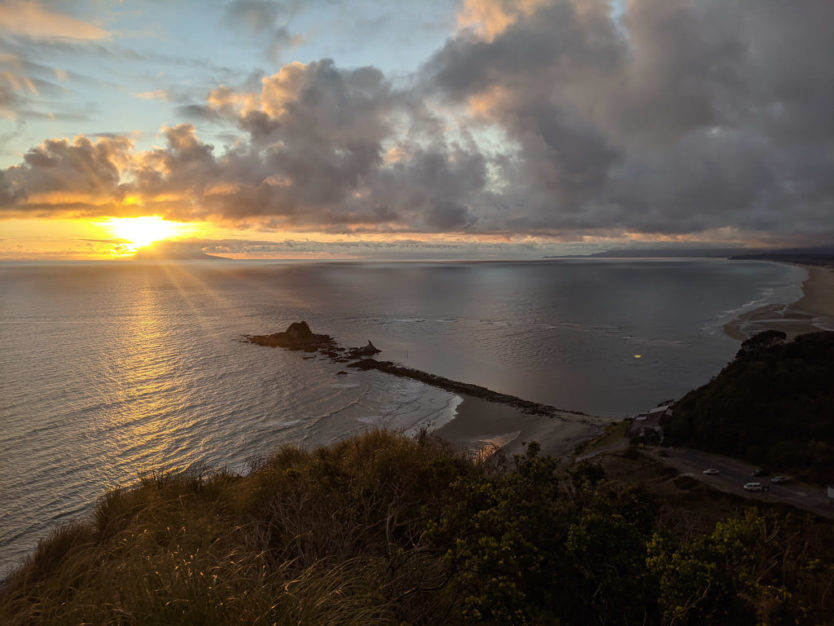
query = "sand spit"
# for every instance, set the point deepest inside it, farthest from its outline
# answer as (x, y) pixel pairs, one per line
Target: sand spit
(813, 312)
(486, 420)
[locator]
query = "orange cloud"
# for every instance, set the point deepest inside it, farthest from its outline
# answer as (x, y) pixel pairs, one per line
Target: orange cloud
(159, 94)
(30, 18)
(69, 198)
(489, 18)
(229, 102)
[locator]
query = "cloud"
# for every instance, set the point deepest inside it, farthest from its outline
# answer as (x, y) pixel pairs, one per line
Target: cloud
(685, 116)
(157, 94)
(58, 175)
(403, 248)
(8, 102)
(173, 250)
(269, 19)
(28, 90)
(489, 18)
(31, 19)
(556, 119)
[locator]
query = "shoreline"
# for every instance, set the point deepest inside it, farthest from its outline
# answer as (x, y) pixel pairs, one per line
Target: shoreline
(813, 312)
(482, 424)
(485, 421)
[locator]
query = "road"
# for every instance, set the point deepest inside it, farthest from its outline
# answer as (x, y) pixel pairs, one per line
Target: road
(734, 474)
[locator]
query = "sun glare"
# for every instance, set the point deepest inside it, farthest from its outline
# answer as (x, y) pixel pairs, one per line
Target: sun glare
(143, 231)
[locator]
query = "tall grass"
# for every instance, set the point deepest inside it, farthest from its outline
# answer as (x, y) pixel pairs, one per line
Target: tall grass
(328, 536)
(382, 529)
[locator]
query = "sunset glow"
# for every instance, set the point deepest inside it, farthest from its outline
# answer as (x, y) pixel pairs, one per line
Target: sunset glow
(143, 231)
(492, 129)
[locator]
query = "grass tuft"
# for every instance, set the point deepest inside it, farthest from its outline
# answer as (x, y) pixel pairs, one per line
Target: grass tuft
(383, 529)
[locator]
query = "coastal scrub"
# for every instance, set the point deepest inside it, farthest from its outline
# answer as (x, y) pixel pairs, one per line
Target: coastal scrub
(382, 529)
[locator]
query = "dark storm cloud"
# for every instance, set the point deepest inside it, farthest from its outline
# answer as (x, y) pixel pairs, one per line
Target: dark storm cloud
(319, 153)
(678, 117)
(692, 116)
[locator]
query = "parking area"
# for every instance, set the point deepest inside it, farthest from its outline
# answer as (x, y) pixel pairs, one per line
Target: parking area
(731, 476)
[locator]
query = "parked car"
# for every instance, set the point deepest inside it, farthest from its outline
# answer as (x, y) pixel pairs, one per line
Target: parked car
(761, 472)
(711, 471)
(780, 479)
(753, 486)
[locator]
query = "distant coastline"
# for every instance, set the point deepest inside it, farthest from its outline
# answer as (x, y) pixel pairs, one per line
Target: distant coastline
(814, 311)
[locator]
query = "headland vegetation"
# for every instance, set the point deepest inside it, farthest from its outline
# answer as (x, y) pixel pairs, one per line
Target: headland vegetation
(382, 529)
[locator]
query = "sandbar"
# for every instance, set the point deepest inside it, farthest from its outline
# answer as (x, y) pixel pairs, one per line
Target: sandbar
(813, 312)
(486, 425)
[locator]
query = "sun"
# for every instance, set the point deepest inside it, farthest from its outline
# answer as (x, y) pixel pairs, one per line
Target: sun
(143, 231)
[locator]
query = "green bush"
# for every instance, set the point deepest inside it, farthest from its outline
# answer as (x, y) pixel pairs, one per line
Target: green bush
(382, 529)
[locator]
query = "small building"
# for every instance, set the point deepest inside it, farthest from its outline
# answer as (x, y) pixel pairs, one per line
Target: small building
(647, 428)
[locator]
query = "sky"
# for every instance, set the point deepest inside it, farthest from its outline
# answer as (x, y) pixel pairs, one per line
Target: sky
(401, 129)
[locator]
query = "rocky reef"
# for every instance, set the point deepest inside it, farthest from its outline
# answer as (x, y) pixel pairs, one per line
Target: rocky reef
(298, 336)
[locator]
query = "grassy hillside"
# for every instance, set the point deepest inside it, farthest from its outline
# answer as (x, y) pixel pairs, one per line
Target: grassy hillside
(772, 405)
(384, 529)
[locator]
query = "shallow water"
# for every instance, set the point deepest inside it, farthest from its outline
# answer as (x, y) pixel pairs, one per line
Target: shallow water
(110, 370)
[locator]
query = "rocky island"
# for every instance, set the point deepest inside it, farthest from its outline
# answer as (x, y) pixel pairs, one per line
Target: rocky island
(298, 336)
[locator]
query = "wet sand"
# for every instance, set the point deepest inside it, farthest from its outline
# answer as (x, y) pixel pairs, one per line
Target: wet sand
(813, 312)
(484, 425)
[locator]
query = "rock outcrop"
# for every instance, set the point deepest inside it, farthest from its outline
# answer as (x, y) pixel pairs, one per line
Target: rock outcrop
(363, 352)
(298, 336)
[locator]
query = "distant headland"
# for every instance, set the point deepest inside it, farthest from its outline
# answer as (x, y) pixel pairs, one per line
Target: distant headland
(175, 251)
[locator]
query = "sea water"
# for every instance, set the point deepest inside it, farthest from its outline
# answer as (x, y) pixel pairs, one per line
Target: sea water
(111, 370)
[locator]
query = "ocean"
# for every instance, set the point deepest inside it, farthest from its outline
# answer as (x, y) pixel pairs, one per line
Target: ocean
(111, 370)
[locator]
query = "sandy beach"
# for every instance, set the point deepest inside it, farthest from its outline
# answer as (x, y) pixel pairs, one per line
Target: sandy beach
(484, 425)
(814, 311)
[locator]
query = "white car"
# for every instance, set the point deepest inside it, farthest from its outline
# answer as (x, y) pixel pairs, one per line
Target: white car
(780, 479)
(753, 486)
(711, 471)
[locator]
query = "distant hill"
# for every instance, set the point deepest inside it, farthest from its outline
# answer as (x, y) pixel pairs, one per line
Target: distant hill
(817, 254)
(823, 255)
(772, 405)
(669, 252)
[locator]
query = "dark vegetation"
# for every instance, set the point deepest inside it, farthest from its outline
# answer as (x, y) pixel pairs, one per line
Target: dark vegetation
(385, 529)
(773, 405)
